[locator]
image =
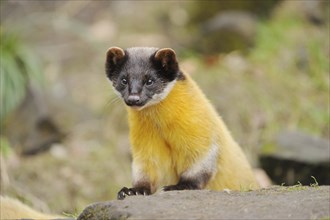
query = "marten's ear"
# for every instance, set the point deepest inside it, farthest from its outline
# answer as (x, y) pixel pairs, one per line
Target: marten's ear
(165, 59)
(115, 58)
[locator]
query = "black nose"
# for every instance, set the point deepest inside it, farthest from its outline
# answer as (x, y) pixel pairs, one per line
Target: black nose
(133, 100)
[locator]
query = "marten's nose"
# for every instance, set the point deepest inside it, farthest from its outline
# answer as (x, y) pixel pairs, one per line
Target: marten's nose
(133, 100)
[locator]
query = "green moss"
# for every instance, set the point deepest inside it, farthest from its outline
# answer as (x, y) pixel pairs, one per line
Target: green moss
(296, 187)
(315, 184)
(299, 186)
(71, 215)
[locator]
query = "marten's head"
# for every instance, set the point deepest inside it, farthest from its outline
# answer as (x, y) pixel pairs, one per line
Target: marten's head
(142, 76)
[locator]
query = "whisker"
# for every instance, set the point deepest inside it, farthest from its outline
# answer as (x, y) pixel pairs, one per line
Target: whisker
(110, 103)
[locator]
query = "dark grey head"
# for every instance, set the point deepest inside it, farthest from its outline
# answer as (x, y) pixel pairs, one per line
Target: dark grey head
(142, 76)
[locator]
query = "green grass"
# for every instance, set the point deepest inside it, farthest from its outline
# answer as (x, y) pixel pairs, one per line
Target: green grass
(19, 69)
(315, 184)
(297, 187)
(74, 215)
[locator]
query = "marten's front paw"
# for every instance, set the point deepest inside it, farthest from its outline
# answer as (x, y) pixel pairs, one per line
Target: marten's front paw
(173, 187)
(132, 192)
(182, 185)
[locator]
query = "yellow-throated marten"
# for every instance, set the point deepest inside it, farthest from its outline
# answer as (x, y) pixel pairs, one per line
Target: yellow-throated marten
(178, 140)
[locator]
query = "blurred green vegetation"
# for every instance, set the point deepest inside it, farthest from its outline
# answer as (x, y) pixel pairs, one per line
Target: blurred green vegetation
(283, 83)
(297, 64)
(257, 7)
(18, 68)
(5, 148)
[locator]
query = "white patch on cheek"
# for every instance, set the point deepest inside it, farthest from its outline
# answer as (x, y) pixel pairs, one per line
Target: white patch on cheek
(160, 96)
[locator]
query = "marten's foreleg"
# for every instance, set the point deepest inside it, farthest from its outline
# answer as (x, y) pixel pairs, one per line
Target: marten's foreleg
(199, 174)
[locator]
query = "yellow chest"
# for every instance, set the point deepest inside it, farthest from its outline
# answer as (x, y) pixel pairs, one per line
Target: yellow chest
(174, 133)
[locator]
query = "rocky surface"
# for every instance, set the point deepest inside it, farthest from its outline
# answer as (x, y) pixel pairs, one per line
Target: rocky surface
(296, 202)
(298, 156)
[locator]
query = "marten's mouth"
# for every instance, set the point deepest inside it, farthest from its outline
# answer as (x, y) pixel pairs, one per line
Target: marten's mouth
(136, 106)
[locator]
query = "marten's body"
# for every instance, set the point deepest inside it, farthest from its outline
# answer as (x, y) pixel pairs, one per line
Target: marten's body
(178, 140)
(184, 134)
(13, 209)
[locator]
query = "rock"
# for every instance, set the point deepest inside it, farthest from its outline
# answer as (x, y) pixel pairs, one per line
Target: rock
(297, 202)
(317, 11)
(226, 27)
(297, 157)
(228, 31)
(39, 131)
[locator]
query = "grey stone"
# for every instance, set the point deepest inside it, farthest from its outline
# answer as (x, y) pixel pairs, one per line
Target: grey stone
(297, 202)
(298, 156)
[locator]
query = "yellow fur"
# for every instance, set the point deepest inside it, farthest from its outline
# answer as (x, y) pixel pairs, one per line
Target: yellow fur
(13, 209)
(170, 137)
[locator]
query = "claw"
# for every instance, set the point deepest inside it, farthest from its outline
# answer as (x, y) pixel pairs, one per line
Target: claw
(121, 196)
(122, 193)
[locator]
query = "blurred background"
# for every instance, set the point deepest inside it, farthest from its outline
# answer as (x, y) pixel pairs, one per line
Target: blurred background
(64, 135)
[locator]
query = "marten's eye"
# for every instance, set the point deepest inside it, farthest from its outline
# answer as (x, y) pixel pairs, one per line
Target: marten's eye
(124, 81)
(149, 82)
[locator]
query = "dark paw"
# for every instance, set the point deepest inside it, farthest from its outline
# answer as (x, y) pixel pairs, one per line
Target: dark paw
(182, 185)
(173, 187)
(132, 192)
